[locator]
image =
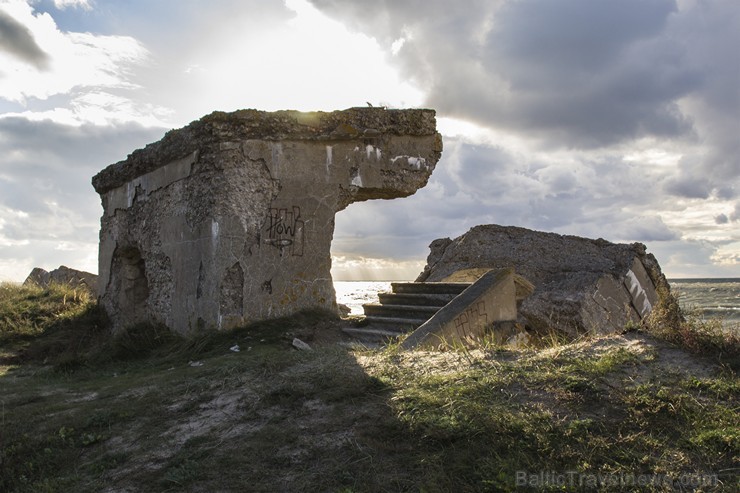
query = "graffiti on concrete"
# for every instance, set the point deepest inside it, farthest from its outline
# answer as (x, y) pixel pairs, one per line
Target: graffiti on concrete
(470, 318)
(285, 230)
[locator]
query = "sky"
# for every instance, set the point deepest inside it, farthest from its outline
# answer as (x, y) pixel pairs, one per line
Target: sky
(614, 119)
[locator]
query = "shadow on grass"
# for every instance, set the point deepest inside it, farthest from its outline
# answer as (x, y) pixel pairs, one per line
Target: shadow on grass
(150, 411)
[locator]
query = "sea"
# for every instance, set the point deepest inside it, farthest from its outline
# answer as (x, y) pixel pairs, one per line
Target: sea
(710, 298)
(707, 298)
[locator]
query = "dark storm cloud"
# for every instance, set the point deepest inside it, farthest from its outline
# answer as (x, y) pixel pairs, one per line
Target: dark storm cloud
(16, 39)
(575, 35)
(716, 107)
(580, 73)
(721, 219)
(725, 192)
(590, 81)
(689, 187)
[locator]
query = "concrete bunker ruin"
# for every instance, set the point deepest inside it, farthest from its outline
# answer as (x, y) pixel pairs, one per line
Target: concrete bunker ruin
(230, 219)
(580, 285)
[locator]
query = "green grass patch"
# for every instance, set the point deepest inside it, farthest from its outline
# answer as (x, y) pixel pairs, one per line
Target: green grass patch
(57, 325)
(481, 427)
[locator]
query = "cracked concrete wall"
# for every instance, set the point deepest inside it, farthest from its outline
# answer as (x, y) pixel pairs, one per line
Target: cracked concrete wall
(230, 219)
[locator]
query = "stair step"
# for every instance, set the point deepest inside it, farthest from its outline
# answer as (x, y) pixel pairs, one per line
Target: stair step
(422, 299)
(410, 305)
(399, 324)
(401, 311)
(371, 334)
(430, 287)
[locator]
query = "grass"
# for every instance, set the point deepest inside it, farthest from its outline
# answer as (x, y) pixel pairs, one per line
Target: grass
(151, 411)
(27, 311)
(706, 337)
(59, 323)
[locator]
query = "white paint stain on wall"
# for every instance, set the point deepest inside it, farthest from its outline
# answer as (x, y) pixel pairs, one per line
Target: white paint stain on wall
(639, 296)
(276, 149)
(413, 161)
(214, 233)
(131, 192)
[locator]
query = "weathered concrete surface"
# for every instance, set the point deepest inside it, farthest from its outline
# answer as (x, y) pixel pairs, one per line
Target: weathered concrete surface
(63, 275)
(488, 306)
(581, 285)
(230, 219)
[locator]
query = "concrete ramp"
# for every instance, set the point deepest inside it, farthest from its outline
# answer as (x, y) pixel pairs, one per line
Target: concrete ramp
(487, 307)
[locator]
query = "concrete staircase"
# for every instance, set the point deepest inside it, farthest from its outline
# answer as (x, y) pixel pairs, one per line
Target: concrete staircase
(409, 305)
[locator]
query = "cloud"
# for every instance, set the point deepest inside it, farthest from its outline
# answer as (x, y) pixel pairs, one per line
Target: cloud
(49, 212)
(573, 73)
(603, 119)
(478, 183)
(72, 60)
(17, 40)
(64, 4)
(362, 269)
(735, 215)
(688, 186)
(692, 258)
(271, 56)
(597, 118)
(576, 72)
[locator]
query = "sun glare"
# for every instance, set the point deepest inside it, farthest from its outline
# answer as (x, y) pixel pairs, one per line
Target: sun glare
(308, 63)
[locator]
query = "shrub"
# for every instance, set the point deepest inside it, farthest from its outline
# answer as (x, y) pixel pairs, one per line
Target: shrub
(693, 333)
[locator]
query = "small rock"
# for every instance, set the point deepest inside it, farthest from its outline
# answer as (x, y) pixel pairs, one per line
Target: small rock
(299, 344)
(195, 363)
(234, 348)
(518, 341)
(344, 310)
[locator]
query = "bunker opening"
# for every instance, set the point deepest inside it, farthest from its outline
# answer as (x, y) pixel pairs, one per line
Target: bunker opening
(129, 270)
